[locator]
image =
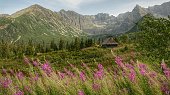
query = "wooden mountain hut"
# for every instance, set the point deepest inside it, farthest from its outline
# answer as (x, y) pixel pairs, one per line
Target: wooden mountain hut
(109, 43)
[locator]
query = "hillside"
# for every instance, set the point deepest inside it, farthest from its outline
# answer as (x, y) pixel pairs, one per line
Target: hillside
(92, 24)
(160, 10)
(104, 23)
(36, 23)
(151, 37)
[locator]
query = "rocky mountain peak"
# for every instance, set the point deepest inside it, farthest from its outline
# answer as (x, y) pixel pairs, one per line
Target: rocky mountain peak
(104, 19)
(160, 10)
(139, 10)
(4, 15)
(69, 12)
(32, 9)
(138, 6)
(35, 6)
(62, 11)
(102, 16)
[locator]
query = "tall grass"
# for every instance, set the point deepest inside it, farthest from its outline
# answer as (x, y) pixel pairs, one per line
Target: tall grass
(133, 78)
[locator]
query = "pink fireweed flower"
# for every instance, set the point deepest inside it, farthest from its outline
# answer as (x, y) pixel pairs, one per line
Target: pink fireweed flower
(71, 65)
(6, 83)
(132, 75)
(142, 66)
(124, 73)
(46, 68)
(84, 65)
(100, 66)
(119, 61)
(129, 66)
(82, 76)
(4, 71)
(115, 71)
(35, 63)
(99, 74)
(109, 69)
(165, 88)
(26, 60)
(11, 72)
(61, 75)
(152, 74)
(36, 77)
(71, 74)
(132, 62)
(81, 93)
(65, 69)
(96, 86)
(27, 88)
(163, 66)
(167, 73)
(19, 93)
(20, 75)
(142, 71)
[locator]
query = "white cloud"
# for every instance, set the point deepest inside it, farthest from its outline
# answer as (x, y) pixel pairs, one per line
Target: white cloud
(72, 2)
(76, 3)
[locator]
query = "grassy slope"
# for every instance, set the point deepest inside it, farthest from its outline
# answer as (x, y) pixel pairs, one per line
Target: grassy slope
(38, 26)
(91, 56)
(61, 59)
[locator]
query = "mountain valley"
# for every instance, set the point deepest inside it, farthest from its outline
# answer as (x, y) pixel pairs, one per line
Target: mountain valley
(38, 23)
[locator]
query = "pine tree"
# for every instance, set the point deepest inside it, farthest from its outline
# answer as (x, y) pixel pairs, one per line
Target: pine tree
(77, 44)
(61, 44)
(52, 45)
(82, 44)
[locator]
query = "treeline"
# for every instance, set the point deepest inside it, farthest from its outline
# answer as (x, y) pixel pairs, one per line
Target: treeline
(19, 49)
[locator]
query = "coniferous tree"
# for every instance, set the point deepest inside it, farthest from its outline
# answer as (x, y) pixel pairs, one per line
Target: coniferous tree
(67, 45)
(52, 45)
(99, 41)
(77, 44)
(82, 44)
(61, 44)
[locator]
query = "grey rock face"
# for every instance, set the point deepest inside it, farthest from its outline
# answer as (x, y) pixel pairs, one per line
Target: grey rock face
(160, 10)
(4, 15)
(103, 23)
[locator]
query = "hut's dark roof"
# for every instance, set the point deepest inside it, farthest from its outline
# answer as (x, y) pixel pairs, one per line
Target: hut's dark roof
(110, 41)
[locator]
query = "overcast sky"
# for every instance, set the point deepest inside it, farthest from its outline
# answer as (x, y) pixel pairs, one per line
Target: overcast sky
(86, 7)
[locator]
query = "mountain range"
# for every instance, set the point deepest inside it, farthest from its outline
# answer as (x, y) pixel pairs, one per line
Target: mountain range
(36, 23)
(39, 23)
(104, 23)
